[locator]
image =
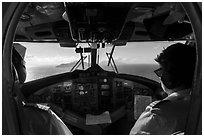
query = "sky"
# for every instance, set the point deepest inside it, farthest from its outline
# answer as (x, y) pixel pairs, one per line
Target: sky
(42, 54)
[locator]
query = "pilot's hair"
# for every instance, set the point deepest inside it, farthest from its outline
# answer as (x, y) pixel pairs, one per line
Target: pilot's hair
(178, 64)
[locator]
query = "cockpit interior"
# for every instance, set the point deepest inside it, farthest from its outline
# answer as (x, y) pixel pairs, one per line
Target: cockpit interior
(91, 100)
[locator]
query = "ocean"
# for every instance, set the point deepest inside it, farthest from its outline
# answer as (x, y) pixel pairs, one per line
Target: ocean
(144, 70)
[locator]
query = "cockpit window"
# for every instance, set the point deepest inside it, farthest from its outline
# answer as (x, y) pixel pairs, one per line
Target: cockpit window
(47, 59)
(136, 58)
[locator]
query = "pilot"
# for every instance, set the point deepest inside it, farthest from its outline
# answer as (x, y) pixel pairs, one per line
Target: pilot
(18, 61)
(168, 116)
(34, 119)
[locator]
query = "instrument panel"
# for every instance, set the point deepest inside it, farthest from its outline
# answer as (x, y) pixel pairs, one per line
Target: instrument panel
(91, 94)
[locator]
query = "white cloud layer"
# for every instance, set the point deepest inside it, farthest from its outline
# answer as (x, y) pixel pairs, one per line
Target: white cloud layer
(32, 61)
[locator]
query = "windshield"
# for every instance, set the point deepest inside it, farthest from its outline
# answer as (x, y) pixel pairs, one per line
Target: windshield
(136, 58)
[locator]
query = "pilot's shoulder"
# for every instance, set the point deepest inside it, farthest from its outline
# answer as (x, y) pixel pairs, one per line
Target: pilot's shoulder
(154, 103)
(161, 103)
(157, 106)
(158, 103)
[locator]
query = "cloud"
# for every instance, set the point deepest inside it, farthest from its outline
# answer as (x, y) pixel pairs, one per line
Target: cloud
(32, 61)
(125, 60)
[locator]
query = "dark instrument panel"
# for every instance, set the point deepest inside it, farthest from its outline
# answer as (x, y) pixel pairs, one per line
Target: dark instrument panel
(91, 94)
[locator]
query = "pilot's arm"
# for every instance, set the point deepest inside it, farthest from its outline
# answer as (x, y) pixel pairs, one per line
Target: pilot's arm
(153, 121)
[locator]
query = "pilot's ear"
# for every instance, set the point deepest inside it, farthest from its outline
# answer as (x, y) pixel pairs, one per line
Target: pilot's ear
(169, 81)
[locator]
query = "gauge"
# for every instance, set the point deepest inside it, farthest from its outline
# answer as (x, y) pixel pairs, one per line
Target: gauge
(81, 93)
(105, 93)
(105, 86)
(67, 83)
(105, 80)
(80, 87)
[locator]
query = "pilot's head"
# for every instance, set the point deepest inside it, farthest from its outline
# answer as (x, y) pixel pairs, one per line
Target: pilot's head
(177, 64)
(18, 61)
